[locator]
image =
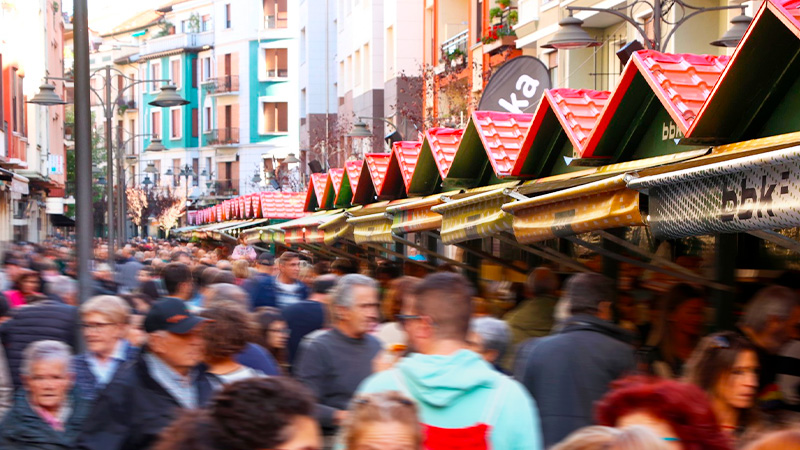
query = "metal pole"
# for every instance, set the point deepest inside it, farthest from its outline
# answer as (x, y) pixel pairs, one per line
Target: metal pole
(110, 164)
(83, 152)
(657, 25)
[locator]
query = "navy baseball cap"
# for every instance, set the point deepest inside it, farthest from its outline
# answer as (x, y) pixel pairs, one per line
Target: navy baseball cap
(171, 315)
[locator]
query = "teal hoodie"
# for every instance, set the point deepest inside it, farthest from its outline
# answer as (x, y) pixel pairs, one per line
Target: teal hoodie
(458, 390)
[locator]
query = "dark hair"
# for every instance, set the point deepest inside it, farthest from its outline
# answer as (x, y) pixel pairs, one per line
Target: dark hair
(208, 277)
(27, 273)
(257, 413)
(227, 331)
(344, 265)
(322, 268)
(684, 406)
(447, 299)
(224, 277)
(178, 255)
(678, 295)
(197, 274)
(400, 290)
(715, 358)
(264, 318)
(174, 275)
(390, 269)
(324, 284)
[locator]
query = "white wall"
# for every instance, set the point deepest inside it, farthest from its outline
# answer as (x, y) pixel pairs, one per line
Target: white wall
(311, 73)
(407, 19)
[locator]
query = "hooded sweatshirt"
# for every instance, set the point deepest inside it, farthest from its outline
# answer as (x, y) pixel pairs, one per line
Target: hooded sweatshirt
(458, 391)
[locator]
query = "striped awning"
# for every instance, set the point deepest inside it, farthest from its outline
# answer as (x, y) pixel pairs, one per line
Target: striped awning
(336, 229)
(474, 217)
(594, 206)
(417, 216)
(372, 228)
(304, 230)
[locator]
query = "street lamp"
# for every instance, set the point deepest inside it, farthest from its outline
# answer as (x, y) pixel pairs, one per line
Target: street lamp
(155, 146)
(186, 173)
(571, 35)
(168, 97)
(146, 182)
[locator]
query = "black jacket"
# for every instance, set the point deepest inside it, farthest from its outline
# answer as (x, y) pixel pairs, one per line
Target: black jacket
(24, 429)
(45, 320)
(132, 410)
(566, 373)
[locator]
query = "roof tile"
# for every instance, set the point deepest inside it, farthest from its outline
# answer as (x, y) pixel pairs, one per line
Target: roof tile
(407, 154)
(683, 82)
(336, 178)
(282, 205)
(318, 181)
(378, 164)
(444, 143)
(502, 135)
(353, 169)
(578, 111)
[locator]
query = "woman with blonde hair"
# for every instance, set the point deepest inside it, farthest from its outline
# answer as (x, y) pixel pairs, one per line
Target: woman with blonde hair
(383, 420)
(607, 438)
(241, 270)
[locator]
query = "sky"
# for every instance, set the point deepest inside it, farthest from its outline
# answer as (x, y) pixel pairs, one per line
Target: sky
(105, 14)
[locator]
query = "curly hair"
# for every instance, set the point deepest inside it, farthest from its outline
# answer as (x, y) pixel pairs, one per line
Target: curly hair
(684, 406)
(257, 413)
(227, 332)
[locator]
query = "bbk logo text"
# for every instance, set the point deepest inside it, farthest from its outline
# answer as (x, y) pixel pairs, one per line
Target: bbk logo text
(747, 201)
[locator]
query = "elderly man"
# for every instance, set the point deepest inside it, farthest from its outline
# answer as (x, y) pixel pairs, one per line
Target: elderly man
(47, 414)
(338, 360)
(569, 371)
(490, 338)
(105, 322)
(145, 396)
(282, 290)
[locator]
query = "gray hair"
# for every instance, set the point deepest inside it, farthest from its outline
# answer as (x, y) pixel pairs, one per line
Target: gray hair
(224, 292)
(45, 351)
(494, 333)
(585, 291)
(343, 292)
(771, 302)
(112, 307)
(60, 286)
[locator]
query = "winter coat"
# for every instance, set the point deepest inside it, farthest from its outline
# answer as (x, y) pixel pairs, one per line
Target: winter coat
(566, 373)
(460, 391)
(262, 291)
(84, 377)
(133, 410)
(23, 429)
(44, 320)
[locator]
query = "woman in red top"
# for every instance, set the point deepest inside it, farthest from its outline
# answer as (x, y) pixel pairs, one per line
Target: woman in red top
(28, 284)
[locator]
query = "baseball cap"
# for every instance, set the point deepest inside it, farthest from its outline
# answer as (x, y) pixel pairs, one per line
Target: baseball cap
(265, 259)
(171, 315)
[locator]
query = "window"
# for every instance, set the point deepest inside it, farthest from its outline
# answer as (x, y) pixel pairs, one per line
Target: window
(196, 169)
(303, 101)
(552, 67)
(367, 68)
(176, 170)
(195, 123)
(175, 123)
(206, 69)
(390, 58)
(276, 117)
(348, 68)
(14, 101)
(184, 26)
(277, 62)
(157, 175)
(302, 46)
(208, 166)
(227, 15)
(155, 74)
(175, 72)
(155, 124)
(207, 117)
(357, 69)
(132, 131)
(206, 25)
(275, 14)
(195, 75)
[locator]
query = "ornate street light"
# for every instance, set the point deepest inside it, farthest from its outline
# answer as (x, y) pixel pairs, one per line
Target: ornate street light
(360, 130)
(291, 159)
(155, 146)
(47, 96)
(147, 182)
(169, 172)
(168, 97)
(571, 35)
(735, 33)
(151, 168)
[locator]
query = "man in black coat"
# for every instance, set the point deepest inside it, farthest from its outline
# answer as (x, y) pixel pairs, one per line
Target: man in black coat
(566, 373)
(148, 394)
(44, 319)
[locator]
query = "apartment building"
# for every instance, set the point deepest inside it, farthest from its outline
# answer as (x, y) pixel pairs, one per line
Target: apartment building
(380, 68)
(32, 151)
(317, 81)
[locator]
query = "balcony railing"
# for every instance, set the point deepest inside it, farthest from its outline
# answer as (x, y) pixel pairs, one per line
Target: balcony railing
(223, 136)
(277, 73)
(226, 188)
(456, 44)
(227, 83)
(176, 42)
(276, 22)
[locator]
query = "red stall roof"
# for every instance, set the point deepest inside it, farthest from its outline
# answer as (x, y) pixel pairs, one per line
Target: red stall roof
(316, 191)
(282, 205)
(502, 135)
(443, 143)
(407, 154)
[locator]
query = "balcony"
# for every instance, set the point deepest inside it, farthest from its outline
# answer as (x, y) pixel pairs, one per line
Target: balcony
(223, 85)
(222, 136)
(277, 73)
(273, 22)
(176, 42)
(226, 188)
(456, 45)
(126, 105)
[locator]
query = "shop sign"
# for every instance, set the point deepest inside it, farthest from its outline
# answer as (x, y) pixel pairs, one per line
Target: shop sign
(516, 87)
(754, 193)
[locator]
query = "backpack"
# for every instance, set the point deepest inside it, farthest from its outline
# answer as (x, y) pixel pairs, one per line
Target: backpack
(473, 437)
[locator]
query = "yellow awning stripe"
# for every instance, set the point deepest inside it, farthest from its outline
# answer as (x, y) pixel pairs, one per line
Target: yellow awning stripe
(374, 228)
(474, 217)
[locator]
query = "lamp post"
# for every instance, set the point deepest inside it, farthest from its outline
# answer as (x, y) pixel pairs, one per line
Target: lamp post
(122, 207)
(167, 97)
(361, 132)
(186, 173)
(571, 34)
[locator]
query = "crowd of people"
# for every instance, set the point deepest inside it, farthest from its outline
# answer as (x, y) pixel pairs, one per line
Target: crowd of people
(184, 346)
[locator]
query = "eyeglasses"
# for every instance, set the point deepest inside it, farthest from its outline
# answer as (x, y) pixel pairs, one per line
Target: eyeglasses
(403, 318)
(98, 325)
(366, 400)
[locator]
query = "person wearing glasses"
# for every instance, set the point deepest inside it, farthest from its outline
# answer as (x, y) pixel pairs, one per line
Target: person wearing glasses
(725, 365)
(273, 413)
(105, 321)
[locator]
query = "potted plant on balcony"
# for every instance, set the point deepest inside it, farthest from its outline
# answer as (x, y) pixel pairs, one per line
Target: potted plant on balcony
(122, 106)
(456, 58)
